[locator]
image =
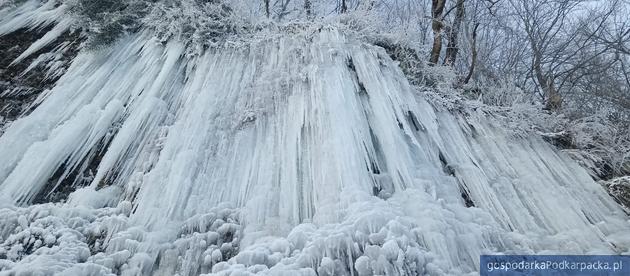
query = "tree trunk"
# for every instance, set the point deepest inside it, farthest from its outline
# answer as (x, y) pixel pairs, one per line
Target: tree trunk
(451, 47)
(474, 54)
(436, 11)
(553, 100)
(267, 10)
(344, 6)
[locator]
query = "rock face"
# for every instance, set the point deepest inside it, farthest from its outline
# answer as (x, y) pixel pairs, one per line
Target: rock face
(619, 189)
(23, 81)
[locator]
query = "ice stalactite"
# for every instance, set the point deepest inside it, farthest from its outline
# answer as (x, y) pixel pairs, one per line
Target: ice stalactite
(305, 154)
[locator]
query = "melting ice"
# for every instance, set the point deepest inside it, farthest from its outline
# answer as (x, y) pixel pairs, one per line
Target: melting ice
(294, 155)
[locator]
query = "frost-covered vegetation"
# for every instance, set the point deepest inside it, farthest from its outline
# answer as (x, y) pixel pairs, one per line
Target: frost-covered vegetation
(316, 137)
(198, 22)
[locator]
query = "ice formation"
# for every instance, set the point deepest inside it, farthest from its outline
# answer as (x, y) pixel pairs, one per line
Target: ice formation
(298, 154)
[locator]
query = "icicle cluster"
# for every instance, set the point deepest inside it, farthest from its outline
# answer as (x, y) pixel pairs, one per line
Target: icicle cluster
(301, 154)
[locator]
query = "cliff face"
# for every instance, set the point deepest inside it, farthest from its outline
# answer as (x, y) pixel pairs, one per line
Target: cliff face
(23, 79)
(304, 153)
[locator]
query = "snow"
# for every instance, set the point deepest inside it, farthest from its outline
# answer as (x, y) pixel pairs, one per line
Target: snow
(300, 154)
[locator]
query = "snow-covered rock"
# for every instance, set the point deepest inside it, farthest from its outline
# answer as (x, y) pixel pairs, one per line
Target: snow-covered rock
(619, 188)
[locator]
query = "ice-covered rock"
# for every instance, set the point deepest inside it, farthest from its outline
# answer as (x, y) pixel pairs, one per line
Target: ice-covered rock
(305, 153)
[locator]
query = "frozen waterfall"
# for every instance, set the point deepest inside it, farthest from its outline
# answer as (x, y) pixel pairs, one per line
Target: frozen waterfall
(299, 154)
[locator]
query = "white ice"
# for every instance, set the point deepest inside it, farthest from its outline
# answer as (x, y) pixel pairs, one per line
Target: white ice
(298, 154)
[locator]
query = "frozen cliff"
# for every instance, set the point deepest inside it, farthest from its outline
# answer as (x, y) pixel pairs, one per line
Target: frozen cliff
(304, 153)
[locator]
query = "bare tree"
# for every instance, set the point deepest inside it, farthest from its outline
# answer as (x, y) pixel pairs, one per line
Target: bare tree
(278, 9)
(437, 8)
(563, 44)
(473, 50)
(453, 33)
(267, 8)
(544, 22)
